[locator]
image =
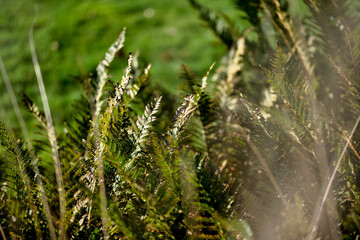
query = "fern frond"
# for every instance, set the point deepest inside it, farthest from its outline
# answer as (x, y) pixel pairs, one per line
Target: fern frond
(251, 9)
(33, 108)
(228, 74)
(297, 95)
(102, 69)
(19, 178)
(183, 115)
(185, 112)
(116, 98)
(144, 123)
(218, 25)
(134, 88)
(191, 84)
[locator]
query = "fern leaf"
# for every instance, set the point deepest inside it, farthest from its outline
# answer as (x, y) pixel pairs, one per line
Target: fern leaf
(33, 108)
(144, 123)
(22, 160)
(102, 69)
(185, 112)
(133, 89)
(218, 25)
(115, 99)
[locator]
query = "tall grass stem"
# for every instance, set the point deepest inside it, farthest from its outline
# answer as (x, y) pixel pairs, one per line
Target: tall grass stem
(14, 100)
(50, 131)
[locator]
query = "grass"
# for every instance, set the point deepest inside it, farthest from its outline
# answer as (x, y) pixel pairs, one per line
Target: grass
(71, 36)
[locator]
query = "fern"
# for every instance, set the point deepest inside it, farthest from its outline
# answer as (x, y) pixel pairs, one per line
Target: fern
(143, 124)
(222, 29)
(185, 112)
(17, 184)
(227, 167)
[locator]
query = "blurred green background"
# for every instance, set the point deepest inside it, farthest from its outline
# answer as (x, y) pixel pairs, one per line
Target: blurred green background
(71, 38)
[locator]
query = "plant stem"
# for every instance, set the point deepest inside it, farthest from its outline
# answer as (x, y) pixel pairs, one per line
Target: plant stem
(50, 131)
(318, 213)
(14, 100)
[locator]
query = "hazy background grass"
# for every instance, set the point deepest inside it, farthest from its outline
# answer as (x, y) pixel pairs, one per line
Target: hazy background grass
(72, 36)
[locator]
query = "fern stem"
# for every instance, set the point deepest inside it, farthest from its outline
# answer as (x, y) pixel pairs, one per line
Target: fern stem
(102, 189)
(264, 164)
(51, 132)
(45, 203)
(318, 213)
(41, 118)
(14, 101)
(262, 161)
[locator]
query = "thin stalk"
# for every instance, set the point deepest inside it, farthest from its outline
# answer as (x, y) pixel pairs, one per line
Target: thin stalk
(317, 215)
(27, 138)
(263, 164)
(24, 130)
(262, 161)
(2, 233)
(102, 187)
(13, 100)
(301, 48)
(50, 131)
(44, 200)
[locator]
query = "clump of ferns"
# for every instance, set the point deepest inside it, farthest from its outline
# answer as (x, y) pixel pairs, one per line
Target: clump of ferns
(18, 188)
(240, 120)
(297, 126)
(114, 163)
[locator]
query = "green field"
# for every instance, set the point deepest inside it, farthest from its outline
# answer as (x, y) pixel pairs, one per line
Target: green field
(72, 36)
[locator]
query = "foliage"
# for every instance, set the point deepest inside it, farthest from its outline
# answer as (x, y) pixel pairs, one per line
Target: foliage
(267, 152)
(71, 38)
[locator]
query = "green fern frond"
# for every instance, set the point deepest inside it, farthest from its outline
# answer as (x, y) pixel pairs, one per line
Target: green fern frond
(33, 108)
(133, 89)
(183, 115)
(143, 124)
(185, 112)
(77, 130)
(116, 98)
(190, 79)
(221, 29)
(102, 76)
(297, 94)
(17, 182)
(251, 9)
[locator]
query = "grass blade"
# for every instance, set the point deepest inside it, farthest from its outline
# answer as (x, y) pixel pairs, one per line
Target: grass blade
(50, 130)
(14, 100)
